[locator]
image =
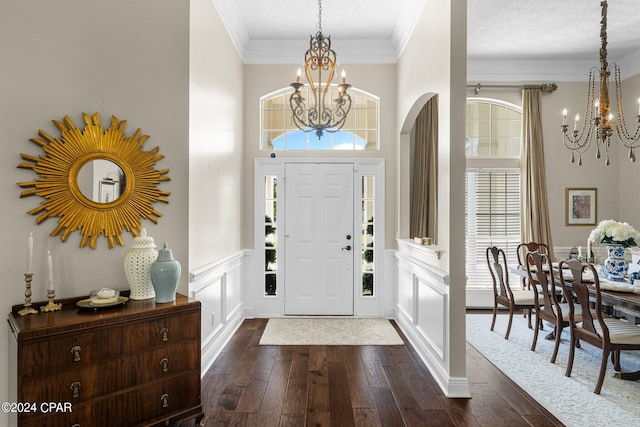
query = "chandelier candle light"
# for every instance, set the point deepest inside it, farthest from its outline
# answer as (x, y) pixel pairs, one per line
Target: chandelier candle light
(320, 115)
(599, 121)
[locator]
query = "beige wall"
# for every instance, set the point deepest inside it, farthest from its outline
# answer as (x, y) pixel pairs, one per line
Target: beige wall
(261, 80)
(215, 139)
(122, 58)
(628, 199)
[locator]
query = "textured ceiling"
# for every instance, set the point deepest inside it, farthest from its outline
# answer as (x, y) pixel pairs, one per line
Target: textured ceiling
(550, 28)
(375, 31)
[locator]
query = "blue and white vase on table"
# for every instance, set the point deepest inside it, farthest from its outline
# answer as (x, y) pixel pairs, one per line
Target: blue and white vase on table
(615, 265)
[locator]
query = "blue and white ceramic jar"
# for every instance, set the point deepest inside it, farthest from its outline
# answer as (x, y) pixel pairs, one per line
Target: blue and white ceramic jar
(165, 275)
(615, 265)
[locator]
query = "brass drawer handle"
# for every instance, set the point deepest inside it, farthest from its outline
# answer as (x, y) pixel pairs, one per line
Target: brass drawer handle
(165, 334)
(165, 364)
(75, 389)
(165, 400)
(75, 350)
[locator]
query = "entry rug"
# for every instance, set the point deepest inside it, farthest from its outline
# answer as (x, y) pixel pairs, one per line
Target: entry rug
(570, 399)
(323, 331)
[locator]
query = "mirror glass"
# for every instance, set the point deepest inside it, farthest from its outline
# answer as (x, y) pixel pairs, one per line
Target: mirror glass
(101, 180)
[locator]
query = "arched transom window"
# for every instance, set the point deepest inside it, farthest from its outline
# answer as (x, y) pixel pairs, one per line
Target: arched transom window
(278, 132)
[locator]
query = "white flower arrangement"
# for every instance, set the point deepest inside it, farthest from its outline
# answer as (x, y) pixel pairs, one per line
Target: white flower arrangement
(610, 232)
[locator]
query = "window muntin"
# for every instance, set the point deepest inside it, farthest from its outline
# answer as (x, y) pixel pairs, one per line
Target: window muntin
(270, 232)
(368, 229)
(492, 184)
(360, 131)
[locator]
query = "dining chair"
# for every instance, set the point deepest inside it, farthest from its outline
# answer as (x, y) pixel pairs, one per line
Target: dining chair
(524, 248)
(607, 333)
(513, 299)
(547, 305)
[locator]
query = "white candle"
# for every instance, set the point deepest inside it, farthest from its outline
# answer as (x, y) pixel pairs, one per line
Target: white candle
(564, 117)
(580, 252)
(30, 253)
(588, 249)
(50, 269)
(575, 126)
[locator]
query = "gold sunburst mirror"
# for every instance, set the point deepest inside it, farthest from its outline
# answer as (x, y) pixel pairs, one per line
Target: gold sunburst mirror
(94, 180)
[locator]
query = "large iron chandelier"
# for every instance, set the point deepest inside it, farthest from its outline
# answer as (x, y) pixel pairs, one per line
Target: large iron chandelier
(321, 114)
(599, 121)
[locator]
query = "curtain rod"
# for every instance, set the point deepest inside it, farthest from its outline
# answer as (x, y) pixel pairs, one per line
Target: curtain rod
(545, 87)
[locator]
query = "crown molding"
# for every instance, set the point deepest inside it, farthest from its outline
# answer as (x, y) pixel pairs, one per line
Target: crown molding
(558, 70)
(349, 51)
(230, 16)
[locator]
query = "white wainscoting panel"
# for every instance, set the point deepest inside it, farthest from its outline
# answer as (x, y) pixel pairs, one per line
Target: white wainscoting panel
(423, 315)
(219, 288)
(432, 315)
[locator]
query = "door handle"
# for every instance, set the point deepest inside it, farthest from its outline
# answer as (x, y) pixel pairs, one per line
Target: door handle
(347, 248)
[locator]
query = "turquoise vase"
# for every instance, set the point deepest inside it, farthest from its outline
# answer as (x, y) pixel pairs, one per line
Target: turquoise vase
(615, 265)
(165, 275)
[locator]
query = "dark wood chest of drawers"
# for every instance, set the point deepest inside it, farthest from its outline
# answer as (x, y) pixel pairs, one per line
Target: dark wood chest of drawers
(133, 365)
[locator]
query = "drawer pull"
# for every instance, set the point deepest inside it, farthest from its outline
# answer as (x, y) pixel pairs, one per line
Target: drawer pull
(75, 350)
(75, 389)
(165, 334)
(76, 425)
(165, 400)
(165, 364)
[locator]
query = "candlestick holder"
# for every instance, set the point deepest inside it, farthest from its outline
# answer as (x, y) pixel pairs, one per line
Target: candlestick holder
(27, 296)
(51, 306)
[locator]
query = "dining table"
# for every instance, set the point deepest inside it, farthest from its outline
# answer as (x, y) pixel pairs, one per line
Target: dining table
(623, 297)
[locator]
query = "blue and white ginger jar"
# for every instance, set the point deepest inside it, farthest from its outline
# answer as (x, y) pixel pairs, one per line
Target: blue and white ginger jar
(615, 265)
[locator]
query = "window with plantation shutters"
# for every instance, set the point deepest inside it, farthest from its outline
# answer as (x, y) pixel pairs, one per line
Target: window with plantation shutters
(492, 219)
(492, 185)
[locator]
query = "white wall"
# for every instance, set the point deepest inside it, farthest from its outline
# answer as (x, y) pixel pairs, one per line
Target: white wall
(215, 139)
(434, 61)
(117, 57)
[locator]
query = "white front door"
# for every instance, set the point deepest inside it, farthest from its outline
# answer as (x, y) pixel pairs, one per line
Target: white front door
(319, 239)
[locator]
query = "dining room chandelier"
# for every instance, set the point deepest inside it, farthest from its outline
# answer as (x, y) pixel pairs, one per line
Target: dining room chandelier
(321, 114)
(600, 121)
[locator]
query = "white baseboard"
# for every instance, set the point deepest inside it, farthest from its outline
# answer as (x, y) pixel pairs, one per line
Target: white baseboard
(452, 387)
(215, 342)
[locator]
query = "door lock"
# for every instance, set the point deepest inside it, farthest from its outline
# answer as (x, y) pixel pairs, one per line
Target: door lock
(347, 248)
(348, 236)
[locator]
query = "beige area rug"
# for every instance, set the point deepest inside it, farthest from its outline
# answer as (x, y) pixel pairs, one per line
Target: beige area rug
(570, 399)
(332, 331)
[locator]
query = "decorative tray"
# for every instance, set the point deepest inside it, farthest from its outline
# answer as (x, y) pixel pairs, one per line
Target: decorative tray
(86, 303)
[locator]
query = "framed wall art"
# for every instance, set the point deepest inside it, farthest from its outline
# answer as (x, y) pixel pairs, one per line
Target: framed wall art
(581, 206)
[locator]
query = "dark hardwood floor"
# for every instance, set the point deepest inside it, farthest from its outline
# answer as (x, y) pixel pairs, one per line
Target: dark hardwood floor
(341, 386)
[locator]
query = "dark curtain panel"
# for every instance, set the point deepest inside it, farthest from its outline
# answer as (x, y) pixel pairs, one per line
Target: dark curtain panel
(425, 172)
